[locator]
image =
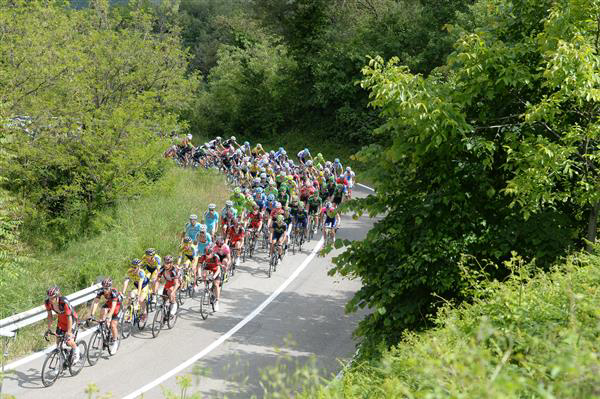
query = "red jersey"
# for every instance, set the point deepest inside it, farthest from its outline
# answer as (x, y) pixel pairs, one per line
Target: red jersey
(211, 263)
(275, 212)
(65, 311)
(237, 235)
(113, 296)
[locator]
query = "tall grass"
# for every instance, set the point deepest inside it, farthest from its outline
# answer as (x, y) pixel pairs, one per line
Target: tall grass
(152, 220)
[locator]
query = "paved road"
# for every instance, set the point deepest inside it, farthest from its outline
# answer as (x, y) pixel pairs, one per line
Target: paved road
(305, 320)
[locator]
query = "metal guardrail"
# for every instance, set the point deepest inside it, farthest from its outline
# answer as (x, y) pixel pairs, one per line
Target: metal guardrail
(9, 325)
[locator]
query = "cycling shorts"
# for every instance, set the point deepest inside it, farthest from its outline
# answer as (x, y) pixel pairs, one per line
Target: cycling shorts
(301, 223)
(330, 222)
(117, 312)
(312, 209)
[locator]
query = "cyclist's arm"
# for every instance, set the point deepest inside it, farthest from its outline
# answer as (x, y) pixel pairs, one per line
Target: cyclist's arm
(94, 306)
(50, 319)
(69, 326)
(125, 284)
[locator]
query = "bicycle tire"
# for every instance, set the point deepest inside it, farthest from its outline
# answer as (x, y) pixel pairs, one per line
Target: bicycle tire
(204, 302)
(75, 369)
(172, 319)
(53, 366)
(179, 298)
(95, 348)
(141, 325)
(112, 351)
(126, 322)
(191, 291)
(157, 322)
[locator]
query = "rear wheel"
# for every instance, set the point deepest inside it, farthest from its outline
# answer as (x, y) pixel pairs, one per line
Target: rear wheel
(52, 368)
(95, 348)
(74, 369)
(141, 320)
(157, 322)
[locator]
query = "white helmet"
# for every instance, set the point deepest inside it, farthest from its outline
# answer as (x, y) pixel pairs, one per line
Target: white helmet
(189, 136)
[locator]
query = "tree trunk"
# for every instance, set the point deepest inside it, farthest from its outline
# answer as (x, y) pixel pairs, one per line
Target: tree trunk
(592, 230)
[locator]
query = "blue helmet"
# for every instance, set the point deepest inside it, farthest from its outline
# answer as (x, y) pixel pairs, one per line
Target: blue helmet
(306, 151)
(271, 197)
(337, 160)
(246, 144)
(258, 190)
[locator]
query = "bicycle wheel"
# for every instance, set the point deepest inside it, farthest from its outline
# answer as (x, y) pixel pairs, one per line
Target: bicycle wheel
(179, 298)
(52, 368)
(113, 350)
(126, 322)
(172, 317)
(191, 291)
(158, 320)
(141, 324)
(244, 253)
(74, 369)
(95, 348)
(204, 303)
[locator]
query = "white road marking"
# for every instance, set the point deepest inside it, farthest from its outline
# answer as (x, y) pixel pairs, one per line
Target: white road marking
(367, 187)
(229, 333)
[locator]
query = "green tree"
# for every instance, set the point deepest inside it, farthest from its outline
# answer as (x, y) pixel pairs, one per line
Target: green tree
(97, 100)
(496, 151)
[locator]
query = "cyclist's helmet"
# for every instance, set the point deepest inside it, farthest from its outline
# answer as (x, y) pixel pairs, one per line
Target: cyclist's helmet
(337, 160)
(306, 151)
(279, 218)
(258, 190)
(237, 190)
(348, 169)
(232, 138)
(301, 205)
(283, 152)
(211, 206)
(271, 197)
(257, 180)
(193, 217)
(107, 282)
(189, 136)
(309, 163)
(263, 175)
(136, 262)
(278, 205)
(203, 228)
(263, 169)
(228, 203)
(259, 146)
(328, 204)
(53, 291)
(218, 138)
(319, 155)
(187, 240)
(151, 252)
(219, 241)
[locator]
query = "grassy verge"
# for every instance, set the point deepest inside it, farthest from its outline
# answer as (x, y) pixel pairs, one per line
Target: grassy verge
(152, 220)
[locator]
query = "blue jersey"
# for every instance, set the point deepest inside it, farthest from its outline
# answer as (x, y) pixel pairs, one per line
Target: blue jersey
(211, 220)
(202, 245)
(192, 231)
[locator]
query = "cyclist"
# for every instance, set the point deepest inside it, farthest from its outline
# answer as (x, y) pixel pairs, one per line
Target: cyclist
(278, 235)
(350, 177)
(338, 169)
(212, 264)
(314, 206)
(211, 219)
(172, 276)
(304, 156)
(140, 282)
(151, 262)
(235, 240)
(331, 218)
(239, 202)
(224, 253)
(188, 255)
(339, 191)
(111, 309)
(225, 211)
(67, 318)
(191, 229)
(301, 220)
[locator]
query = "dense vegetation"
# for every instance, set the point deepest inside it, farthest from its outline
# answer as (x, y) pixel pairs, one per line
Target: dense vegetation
(478, 122)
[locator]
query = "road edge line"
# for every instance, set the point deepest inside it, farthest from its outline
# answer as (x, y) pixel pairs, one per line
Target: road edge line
(232, 331)
(367, 187)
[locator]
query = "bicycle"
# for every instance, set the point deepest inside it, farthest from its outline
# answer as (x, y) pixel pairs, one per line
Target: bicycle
(187, 284)
(250, 243)
(61, 358)
(208, 296)
(329, 234)
(298, 240)
(275, 258)
(163, 316)
(100, 340)
(133, 316)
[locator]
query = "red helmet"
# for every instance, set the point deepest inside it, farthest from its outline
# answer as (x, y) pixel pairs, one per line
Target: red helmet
(53, 291)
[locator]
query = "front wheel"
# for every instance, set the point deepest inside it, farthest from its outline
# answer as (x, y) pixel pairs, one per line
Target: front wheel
(126, 322)
(95, 348)
(157, 322)
(172, 316)
(74, 369)
(204, 303)
(52, 368)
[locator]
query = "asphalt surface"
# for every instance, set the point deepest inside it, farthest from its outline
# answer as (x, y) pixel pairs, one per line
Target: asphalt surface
(304, 324)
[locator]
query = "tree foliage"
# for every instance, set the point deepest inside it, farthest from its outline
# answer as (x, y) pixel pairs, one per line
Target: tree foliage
(95, 99)
(493, 152)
